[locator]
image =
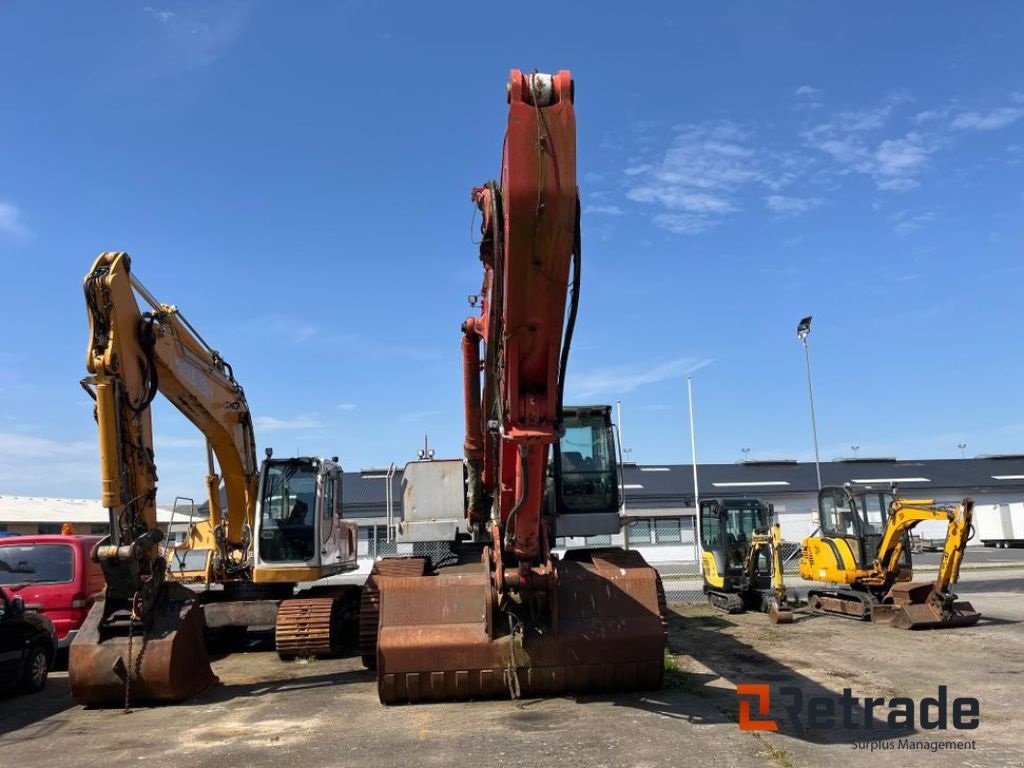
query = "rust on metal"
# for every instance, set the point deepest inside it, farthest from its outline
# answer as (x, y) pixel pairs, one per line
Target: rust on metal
(369, 605)
(441, 636)
(313, 623)
(917, 605)
(169, 663)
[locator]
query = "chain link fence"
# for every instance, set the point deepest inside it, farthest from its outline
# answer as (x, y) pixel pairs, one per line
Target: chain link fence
(677, 558)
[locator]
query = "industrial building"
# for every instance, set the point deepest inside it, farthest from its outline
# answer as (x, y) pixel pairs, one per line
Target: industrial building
(659, 499)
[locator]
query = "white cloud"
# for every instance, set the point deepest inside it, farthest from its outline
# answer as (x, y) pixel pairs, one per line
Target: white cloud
(906, 223)
(161, 442)
(17, 445)
(10, 220)
(164, 17)
(418, 415)
(807, 91)
(684, 223)
(192, 39)
(345, 407)
(273, 423)
(609, 210)
(851, 140)
(791, 206)
(699, 177)
(619, 380)
(992, 120)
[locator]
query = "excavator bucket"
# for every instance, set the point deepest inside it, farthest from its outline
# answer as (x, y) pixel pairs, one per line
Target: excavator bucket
(165, 662)
(916, 606)
(441, 636)
(779, 613)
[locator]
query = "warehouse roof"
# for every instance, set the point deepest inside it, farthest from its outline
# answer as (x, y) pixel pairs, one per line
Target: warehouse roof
(38, 509)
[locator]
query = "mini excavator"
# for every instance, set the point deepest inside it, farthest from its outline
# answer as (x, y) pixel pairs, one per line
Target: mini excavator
(741, 558)
(144, 639)
(504, 616)
(862, 544)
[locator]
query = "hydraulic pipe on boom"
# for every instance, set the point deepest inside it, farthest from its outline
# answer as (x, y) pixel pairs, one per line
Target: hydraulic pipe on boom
(507, 616)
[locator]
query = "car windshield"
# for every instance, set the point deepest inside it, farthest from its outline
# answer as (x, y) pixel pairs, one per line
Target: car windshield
(35, 563)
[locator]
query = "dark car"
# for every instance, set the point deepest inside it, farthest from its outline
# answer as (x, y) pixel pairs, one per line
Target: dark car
(28, 643)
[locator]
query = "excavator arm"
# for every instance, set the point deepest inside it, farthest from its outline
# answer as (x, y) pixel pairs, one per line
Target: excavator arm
(510, 617)
(905, 514)
(133, 355)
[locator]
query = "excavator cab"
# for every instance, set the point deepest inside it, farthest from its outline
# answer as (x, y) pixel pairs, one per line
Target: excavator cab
(727, 527)
(584, 480)
(298, 524)
(738, 557)
(859, 516)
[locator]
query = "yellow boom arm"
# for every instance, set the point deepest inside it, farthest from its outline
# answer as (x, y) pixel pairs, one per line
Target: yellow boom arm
(132, 356)
(907, 513)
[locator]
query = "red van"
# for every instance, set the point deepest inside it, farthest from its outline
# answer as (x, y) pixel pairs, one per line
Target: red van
(54, 576)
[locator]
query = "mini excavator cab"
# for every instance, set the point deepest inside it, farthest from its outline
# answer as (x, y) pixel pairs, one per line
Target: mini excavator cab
(858, 515)
(727, 528)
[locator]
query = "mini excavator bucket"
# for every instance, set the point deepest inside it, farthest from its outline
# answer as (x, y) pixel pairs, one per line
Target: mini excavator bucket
(166, 660)
(919, 606)
(442, 637)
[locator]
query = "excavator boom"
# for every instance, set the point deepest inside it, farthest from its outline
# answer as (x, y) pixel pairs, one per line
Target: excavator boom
(510, 617)
(145, 638)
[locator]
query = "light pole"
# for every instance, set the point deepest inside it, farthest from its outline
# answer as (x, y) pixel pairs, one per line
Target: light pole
(963, 450)
(803, 330)
(746, 452)
(855, 448)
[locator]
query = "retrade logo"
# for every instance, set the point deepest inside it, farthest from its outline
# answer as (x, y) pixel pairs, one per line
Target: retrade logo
(824, 712)
(762, 693)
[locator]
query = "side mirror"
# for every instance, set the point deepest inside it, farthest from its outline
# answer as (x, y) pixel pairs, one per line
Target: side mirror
(17, 607)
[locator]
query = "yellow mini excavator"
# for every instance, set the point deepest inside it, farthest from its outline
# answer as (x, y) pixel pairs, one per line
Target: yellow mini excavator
(862, 547)
(281, 525)
(741, 558)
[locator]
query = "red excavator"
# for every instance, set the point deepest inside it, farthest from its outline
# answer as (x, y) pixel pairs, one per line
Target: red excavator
(504, 615)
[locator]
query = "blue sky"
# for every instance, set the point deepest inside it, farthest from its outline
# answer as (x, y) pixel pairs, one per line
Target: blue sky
(296, 178)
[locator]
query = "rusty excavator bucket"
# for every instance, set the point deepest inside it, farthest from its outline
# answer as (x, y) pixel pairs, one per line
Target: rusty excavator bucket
(161, 660)
(917, 605)
(441, 635)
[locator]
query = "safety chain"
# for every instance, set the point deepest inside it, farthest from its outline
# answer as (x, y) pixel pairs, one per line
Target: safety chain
(134, 664)
(511, 675)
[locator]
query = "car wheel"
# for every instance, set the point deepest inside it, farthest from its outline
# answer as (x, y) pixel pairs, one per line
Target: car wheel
(37, 669)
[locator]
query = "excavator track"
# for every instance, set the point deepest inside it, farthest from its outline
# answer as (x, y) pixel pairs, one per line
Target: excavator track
(842, 602)
(730, 602)
(314, 625)
(369, 602)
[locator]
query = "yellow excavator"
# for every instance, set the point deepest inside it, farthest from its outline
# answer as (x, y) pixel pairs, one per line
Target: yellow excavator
(281, 524)
(862, 547)
(741, 558)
